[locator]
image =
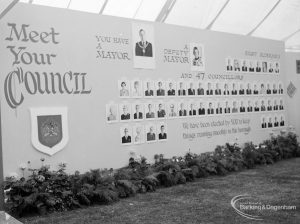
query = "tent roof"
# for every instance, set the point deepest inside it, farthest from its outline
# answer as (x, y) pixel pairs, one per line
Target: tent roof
(271, 19)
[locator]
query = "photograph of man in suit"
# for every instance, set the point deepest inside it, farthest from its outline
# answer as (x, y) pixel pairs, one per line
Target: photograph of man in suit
(160, 91)
(171, 91)
(276, 123)
(241, 91)
(274, 91)
(126, 138)
(263, 123)
(233, 91)
(271, 70)
(280, 89)
(197, 60)
(236, 65)
(270, 123)
(281, 121)
(234, 108)
(161, 113)
(219, 108)
(172, 112)
(276, 67)
(181, 90)
(150, 114)
(281, 104)
(264, 66)
(256, 107)
(210, 109)
(244, 66)
(209, 91)
(229, 65)
(151, 134)
(191, 90)
(248, 90)
(162, 135)
(148, 91)
(262, 107)
(218, 90)
(275, 106)
(251, 67)
(258, 67)
(255, 91)
(192, 111)
(200, 90)
(126, 114)
(242, 107)
(143, 47)
(269, 107)
(182, 111)
(201, 110)
(268, 89)
(138, 114)
(226, 90)
(249, 108)
(227, 108)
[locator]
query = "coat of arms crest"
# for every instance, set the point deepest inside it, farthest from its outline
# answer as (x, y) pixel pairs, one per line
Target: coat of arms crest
(49, 129)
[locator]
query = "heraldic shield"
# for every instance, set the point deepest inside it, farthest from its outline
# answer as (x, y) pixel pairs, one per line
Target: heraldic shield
(49, 133)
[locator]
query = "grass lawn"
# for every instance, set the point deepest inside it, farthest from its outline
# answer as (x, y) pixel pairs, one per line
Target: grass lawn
(206, 200)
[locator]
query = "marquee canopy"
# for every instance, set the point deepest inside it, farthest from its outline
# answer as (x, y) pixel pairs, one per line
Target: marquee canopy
(271, 19)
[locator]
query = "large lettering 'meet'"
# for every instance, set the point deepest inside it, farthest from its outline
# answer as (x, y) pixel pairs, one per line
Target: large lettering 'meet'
(37, 82)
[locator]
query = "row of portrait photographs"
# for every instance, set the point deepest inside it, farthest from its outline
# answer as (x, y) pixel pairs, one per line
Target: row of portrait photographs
(255, 66)
(138, 133)
(138, 111)
(170, 88)
(272, 121)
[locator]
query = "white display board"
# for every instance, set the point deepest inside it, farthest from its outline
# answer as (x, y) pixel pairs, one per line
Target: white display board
(129, 86)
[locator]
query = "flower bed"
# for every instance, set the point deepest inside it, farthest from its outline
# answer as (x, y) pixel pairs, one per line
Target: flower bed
(47, 191)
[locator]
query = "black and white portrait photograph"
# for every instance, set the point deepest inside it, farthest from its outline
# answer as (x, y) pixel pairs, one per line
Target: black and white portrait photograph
(137, 109)
(138, 134)
(126, 135)
(136, 88)
(191, 88)
(263, 121)
(202, 108)
(200, 88)
(151, 134)
(144, 47)
(161, 110)
(181, 88)
(197, 58)
(182, 109)
(171, 88)
(160, 88)
(124, 88)
(172, 110)
(229, 62)
(125, 111)
(162, 132)
(192, 108)
(244, 64)
(112, 114)
(149, 110)
(149, 89)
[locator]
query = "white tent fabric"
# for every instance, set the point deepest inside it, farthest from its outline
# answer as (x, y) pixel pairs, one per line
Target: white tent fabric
(271, 19)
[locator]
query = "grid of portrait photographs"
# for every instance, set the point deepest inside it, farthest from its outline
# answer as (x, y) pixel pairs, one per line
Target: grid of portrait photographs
(252, 66)
(159, 100)
(272, 121)
(139, 133)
